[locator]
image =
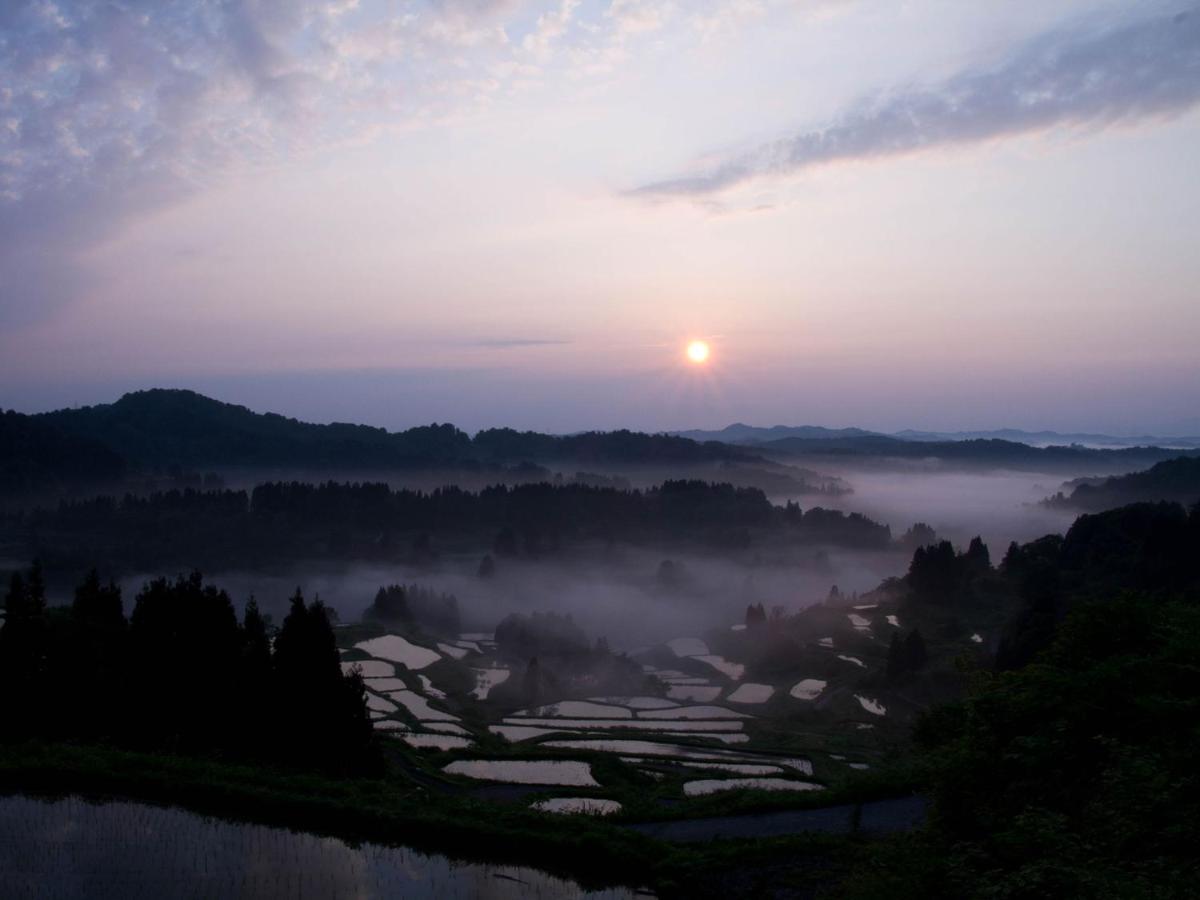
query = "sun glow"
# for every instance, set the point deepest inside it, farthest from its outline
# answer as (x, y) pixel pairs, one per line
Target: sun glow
(697, 352)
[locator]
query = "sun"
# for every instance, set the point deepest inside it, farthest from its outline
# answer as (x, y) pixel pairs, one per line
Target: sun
(697, 352)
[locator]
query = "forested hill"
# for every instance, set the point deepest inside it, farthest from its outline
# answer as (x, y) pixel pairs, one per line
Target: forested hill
(1173, 479)
(280, 522)
(975, 453)
(37, 456)
(159, 428)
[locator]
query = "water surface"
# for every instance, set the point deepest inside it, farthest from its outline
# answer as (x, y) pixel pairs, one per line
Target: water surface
(71, 848)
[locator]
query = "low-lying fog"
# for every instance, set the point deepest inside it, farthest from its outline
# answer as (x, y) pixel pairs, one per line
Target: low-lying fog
(1000, 506)
(617, 593)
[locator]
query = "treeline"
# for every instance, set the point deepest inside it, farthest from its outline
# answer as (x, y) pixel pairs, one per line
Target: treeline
(284, 521)
(181, 675)
(1069, 769)
(412, 605)
(975, 452)
(158, 428)
(1176, 480)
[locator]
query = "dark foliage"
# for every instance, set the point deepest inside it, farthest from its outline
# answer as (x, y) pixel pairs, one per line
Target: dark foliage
(36, 457)
(975, 452)
(177, 427)
(1176, 480)
(182, 675)
(283, 521)
(398, 605)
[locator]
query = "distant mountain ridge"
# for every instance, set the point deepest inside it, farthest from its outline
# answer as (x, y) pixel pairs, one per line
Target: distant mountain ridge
(740, 433)
(157, 428)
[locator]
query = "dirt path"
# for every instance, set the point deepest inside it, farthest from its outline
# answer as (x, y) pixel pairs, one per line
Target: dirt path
(878, 816)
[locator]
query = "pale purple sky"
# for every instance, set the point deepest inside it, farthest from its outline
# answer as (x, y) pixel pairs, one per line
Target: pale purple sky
(929, 214)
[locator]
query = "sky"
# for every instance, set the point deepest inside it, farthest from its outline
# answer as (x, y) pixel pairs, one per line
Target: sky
(939, 215)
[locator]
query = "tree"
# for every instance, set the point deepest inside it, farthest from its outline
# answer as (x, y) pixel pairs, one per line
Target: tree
(24, 654)
(896, 661)
(915, 653)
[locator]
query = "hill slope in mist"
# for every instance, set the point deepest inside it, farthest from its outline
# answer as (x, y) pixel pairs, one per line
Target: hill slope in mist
(1176, 480)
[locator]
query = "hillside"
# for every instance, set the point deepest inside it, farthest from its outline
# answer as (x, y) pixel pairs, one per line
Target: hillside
(1176, 480)
(176, 427)
(36, 457)
(969, 453)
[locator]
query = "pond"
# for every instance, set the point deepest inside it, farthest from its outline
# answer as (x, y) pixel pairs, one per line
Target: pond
(70, 848)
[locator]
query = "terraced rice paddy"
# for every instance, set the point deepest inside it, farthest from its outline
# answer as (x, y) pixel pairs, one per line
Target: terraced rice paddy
(637, 724)
(713, 785)
(731, 670)
(688, 647)
(486, 679)
(419, 707)
(375, 703)
(428, 687)
(692, 712)
(751, 694)
(577, 709)
(521, 771)
(371, 668)
(636, 702)
(808, 689)
(436, 741)
(872, 706)
(396, 649)
(660, 751)
(699, 693)
(588, 806)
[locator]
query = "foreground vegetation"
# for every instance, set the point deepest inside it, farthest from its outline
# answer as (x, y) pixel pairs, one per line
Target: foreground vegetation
(1066, 769)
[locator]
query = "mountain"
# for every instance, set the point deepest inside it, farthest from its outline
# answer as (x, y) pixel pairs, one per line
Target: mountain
(1176, 480)
(992, 453)
(36, 456)
(159, 428)
(1052, 438)
(739, 433)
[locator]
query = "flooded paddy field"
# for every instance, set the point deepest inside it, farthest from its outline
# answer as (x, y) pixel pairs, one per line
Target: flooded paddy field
(70, 848)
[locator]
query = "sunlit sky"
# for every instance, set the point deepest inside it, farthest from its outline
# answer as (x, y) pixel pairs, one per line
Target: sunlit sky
(924, 214)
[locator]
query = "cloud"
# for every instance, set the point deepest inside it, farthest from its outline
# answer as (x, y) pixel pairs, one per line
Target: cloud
(112, 110)
(507, 343)
(1125, 72)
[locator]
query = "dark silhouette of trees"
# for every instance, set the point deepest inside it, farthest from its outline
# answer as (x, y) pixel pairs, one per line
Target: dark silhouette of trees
(25, 655)
(282, 521)
(1176, 480)
(1072, 777)
(940, 576)
(182, 675)
(906, 655)
(400, 606)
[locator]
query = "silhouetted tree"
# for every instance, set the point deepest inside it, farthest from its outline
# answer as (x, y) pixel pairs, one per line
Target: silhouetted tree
(24, 654)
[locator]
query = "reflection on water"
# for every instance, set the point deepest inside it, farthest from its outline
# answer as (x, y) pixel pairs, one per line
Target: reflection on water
(71, 848)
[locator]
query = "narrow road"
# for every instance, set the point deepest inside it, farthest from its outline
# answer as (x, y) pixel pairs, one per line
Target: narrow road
(878, 817)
